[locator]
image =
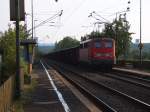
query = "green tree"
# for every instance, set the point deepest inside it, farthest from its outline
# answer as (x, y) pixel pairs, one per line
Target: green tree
(119, 30)
(93, 34)
(8, 44)
(134, 55)
(67, 42)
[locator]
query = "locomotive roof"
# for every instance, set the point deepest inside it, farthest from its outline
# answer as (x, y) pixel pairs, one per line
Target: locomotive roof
(88, 40)
(64, 49)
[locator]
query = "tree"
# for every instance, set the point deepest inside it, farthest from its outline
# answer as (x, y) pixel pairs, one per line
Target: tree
(119, 30)
(67, 42)
(8, 44)
(93, 34)
(134, 54)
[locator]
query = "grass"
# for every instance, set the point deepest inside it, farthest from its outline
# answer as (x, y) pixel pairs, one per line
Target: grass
(28, 90)
(18, 106)
(25, 97)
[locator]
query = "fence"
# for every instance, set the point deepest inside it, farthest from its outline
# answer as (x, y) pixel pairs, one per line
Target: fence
(7, 95)
(136, 64)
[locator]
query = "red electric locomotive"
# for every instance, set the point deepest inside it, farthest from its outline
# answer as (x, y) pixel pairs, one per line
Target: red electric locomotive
(98, 51)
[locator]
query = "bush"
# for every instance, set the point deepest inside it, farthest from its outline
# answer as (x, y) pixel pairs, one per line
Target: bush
(27, 79)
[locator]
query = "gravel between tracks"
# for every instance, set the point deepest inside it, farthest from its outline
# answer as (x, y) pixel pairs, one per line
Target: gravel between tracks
(119, 103)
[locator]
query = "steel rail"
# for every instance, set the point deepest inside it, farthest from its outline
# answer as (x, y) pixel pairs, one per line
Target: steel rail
(146, 105)
(126, 80)
(137, 75)
(106, 107)
(137, 101)
(101, 104)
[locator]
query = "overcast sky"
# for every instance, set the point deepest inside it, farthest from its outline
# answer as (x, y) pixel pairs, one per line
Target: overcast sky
(75, 21)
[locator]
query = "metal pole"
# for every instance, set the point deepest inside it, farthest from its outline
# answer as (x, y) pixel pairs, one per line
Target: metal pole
(0, 68)
(34, 28)
(32, 31)
(17, 51)
(32, 16)
(140, 46)
(1, 65)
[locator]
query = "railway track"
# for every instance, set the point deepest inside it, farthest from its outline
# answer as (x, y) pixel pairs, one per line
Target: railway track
(138, 88)
(141, 81)
(135, 87)
(111, 99)
(136, 75)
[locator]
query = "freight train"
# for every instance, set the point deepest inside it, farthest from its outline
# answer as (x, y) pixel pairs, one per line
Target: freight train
(97, 51)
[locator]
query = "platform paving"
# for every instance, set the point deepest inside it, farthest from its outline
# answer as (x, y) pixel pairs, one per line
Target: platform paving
(132, 70)
(45, 99)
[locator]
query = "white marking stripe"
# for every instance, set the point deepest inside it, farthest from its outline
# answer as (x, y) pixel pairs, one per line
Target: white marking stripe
(66, 108)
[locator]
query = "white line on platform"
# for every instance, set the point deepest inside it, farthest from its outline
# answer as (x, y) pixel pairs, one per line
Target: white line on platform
(65, 106)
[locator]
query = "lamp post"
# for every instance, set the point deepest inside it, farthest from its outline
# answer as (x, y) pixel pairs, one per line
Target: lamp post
(140, 45)
(34, 28)
(17, 50)
(32, 16)
(32, 55)
(1, 66)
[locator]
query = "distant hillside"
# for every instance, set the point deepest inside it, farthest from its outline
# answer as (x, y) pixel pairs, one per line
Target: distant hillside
(146, 47)
(45, 49)
(133, 54)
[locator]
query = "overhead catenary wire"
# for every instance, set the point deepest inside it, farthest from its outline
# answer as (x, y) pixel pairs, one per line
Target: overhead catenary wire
(100, 16)
(47, 20)
(71, 14)
(74, 10)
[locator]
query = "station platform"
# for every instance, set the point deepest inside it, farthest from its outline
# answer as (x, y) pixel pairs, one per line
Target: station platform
(43, 98)
(133, 71)
(52, 95)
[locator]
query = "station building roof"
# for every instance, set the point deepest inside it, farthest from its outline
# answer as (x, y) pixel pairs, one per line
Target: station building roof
(28, 42)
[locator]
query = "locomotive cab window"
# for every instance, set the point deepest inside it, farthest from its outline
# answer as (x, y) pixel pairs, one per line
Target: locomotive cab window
(108, 44)
(81, 46)
(97, 45)
(85, 45)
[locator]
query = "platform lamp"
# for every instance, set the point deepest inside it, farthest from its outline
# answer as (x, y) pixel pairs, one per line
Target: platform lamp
(140, 44)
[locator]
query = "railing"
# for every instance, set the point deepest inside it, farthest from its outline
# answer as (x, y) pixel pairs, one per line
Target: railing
(136, 64)
(7, 94)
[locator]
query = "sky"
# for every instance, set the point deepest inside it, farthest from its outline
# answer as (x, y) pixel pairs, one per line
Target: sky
(74, 20)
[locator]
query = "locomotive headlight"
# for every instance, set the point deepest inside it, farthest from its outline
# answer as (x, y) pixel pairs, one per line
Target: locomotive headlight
(98, 54)
(108, 54)
(103, 54)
